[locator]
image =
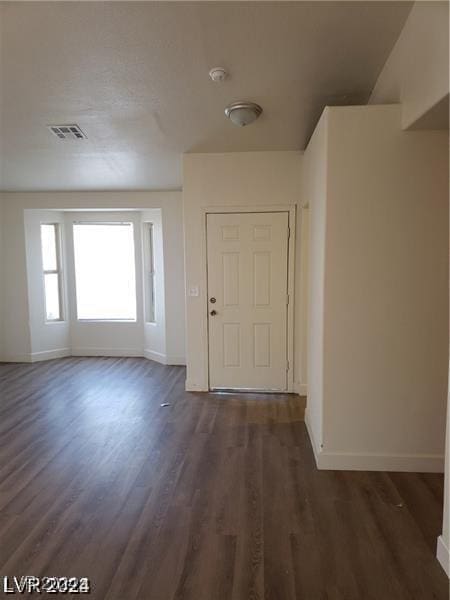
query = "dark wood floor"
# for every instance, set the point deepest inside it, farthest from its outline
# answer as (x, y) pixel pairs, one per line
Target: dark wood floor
(215, 497)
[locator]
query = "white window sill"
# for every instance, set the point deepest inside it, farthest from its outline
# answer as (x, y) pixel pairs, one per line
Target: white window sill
(107, 321)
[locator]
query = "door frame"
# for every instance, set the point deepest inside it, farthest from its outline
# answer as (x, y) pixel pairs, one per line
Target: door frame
(291, 209)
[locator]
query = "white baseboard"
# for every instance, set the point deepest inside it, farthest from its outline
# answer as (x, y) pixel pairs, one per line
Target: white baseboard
(407, 463)
(16, 358)
(107, 352)
(164, 359)
(314, 442)
(358, 461)
(300, 388)
(50, 354)
(63, 352)
(443, 555)
(156, 356)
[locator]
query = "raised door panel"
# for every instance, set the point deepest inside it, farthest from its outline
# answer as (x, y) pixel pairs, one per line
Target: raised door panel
(247, 276)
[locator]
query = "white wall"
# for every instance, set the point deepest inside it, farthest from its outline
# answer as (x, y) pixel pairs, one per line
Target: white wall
(314, 194)
(17, 339)
(248, 179)
(417, 70)
(417, 75)
(174, 283)
(385, 294)
(15, 307)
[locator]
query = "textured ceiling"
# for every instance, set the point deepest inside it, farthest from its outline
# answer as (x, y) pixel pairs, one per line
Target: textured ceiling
(134, 76)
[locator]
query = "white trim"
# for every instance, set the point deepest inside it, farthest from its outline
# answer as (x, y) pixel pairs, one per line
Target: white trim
(354, 461)
(311, 436)
(107, 352)
(291, 209)
(156, 356)
(50, 354)
(164, 359)
(59, 271)
(292, 241)
(194, 387)
(443, 555)
(300, 388)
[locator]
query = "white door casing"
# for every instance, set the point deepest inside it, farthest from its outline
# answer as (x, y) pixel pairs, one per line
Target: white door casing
(247, 269)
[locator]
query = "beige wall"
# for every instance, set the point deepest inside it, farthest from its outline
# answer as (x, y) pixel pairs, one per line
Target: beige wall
(417, 70)
(385, 294)
(174, 290)
(248, 179)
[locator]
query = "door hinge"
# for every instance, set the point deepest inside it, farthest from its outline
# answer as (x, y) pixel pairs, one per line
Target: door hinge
(288, 233)
(287, 298)
(287, 365)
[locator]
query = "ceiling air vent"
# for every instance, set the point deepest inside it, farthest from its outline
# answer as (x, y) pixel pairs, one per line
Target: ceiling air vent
(67, 132)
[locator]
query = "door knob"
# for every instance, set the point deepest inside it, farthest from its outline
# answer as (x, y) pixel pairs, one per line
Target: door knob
(212, 300)
(213, 313)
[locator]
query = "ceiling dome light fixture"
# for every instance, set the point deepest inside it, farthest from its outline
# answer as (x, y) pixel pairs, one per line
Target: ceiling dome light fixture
(218, 74)
(243, 113)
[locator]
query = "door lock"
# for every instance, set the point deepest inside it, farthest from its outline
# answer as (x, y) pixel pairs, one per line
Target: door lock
(213, 313)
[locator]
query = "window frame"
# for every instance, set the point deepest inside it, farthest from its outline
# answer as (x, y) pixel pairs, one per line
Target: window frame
(150, 273)
(97, 221)
(58, 271)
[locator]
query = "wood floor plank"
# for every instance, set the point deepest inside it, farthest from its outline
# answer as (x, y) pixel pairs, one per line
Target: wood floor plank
(213, 497)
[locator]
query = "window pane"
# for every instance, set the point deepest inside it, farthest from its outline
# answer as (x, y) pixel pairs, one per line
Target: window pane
(105, 271)
(48, 238)
(53, 311)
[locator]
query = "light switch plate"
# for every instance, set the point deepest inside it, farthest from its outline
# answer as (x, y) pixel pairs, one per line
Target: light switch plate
(193, 291)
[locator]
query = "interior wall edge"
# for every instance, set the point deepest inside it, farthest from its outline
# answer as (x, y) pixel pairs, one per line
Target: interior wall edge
(312, 436)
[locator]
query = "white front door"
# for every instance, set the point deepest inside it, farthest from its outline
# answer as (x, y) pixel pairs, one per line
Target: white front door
(247, 300)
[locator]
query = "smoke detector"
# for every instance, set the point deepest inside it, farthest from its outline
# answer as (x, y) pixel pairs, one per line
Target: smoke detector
(67, 132)
(218, 74)
(243, 113)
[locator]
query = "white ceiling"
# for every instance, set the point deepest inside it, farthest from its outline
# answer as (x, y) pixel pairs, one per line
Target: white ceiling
(134, 76)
